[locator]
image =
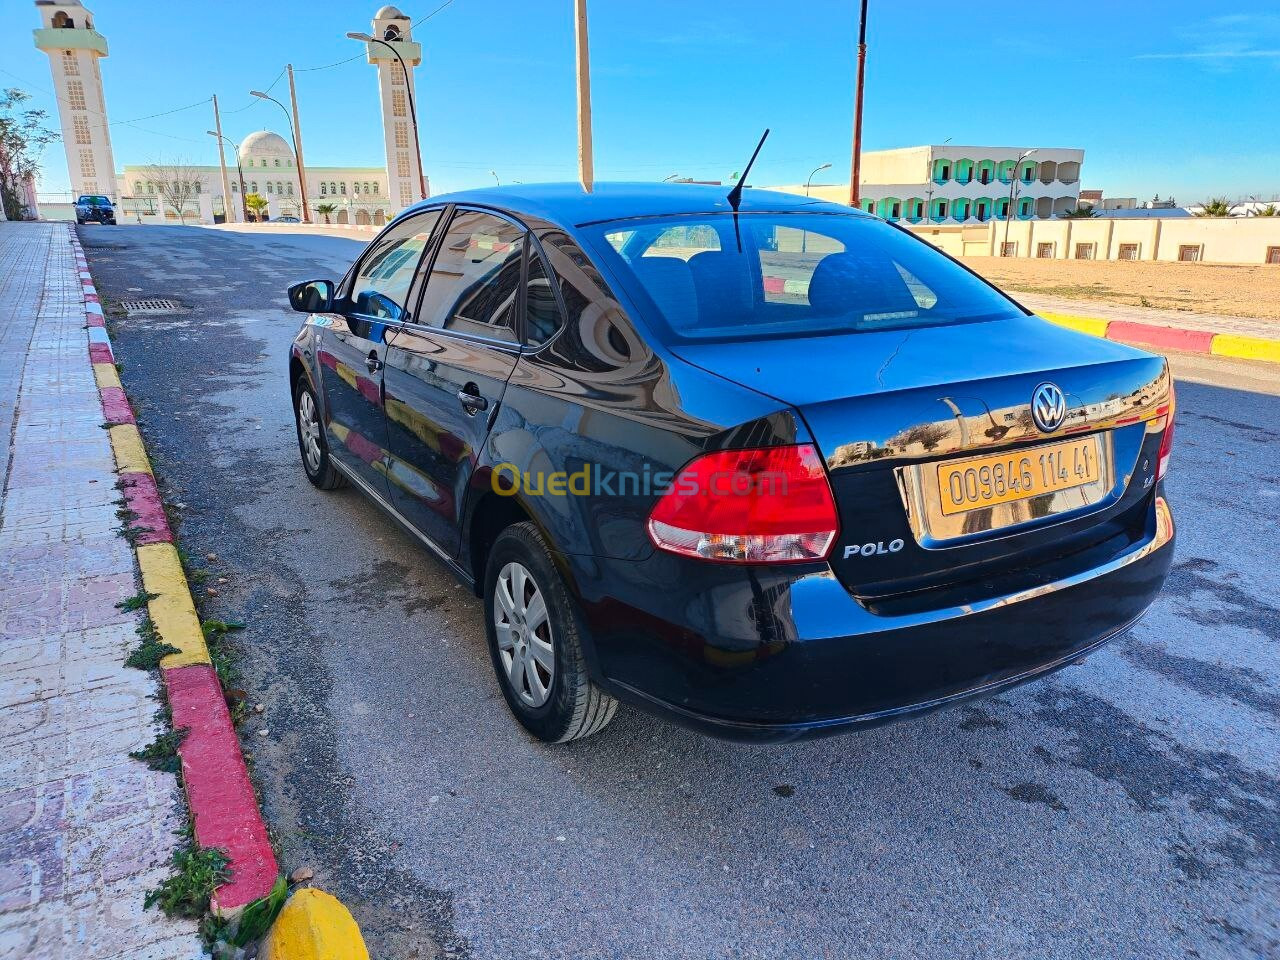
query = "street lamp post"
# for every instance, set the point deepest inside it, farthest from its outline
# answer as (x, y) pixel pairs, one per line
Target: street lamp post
(413, 113)
(1013, 197)
(825, 166)
(855, 176)
(928, 210)
(494, 174)
(244, 210)
(297, 154)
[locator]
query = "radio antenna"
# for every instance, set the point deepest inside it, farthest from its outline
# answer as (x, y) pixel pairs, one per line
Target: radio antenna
(735, 195)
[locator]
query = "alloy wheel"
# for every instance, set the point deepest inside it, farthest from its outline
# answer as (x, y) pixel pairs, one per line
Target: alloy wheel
(309, 430)
(525, 643)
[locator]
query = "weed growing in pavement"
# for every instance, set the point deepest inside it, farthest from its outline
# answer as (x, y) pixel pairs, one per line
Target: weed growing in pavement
(197, 872)
(136, 602)
(223, 659)
(151, 649)
(162, 752)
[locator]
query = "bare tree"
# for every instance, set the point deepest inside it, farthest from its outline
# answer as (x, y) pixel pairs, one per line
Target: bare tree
(177, 183)
(23, 137)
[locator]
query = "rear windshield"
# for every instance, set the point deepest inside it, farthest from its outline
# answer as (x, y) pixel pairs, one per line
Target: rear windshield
(785, 275)
(96, 201)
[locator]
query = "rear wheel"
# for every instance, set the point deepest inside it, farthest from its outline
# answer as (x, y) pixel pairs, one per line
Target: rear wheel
(311, 440)
(535, 642)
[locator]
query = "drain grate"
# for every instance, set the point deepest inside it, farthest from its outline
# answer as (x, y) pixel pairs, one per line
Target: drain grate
(150, 306)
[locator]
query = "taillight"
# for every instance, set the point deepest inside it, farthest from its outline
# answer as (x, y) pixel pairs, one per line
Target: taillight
(770, 505)
(1166, 441)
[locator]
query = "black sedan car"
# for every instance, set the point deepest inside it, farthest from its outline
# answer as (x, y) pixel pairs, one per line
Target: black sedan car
(770, 470)
(94, 208)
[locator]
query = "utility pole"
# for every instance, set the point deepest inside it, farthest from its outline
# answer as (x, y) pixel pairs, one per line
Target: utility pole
(586, 162)
(297, 145)
(855, 177)
(222, 163)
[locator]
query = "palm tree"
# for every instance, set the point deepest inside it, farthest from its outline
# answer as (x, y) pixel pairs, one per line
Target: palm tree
(324, 209)
(1080, 213)
(256, 202)
(1215, 207)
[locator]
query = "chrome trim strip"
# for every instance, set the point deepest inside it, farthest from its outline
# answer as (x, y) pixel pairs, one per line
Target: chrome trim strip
(381, 501)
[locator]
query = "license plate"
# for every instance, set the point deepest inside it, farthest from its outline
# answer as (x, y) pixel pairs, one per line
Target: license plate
(978, 482)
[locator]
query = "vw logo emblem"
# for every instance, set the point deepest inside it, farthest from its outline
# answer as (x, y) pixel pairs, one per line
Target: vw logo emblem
(1048, 407)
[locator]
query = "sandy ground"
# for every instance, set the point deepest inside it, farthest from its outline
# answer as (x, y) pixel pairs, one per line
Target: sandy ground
(1240, 291)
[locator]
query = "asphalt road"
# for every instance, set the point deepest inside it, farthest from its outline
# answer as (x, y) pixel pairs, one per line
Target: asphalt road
(1125, 807)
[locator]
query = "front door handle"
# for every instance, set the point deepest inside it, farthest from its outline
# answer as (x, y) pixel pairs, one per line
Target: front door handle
(372, 362)
(471, 401)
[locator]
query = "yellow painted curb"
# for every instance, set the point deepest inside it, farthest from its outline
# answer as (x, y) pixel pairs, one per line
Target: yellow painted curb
(1094, 326)
(172, 611)
(313, 926)
(106, 375)
(1247, 348)
(126, 444)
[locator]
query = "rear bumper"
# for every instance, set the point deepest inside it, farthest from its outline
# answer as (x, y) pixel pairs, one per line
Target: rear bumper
(780, 656)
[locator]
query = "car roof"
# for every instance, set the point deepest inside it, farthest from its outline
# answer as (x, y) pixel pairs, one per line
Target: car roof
(569, 204)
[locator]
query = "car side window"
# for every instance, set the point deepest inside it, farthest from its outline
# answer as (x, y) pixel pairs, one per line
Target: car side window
(592, 316)
(475, 277)
(380, 287)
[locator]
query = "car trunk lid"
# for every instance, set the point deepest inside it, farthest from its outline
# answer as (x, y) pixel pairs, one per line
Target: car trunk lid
(886, 408)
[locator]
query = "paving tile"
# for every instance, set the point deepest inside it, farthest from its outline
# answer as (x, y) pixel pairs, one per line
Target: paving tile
(84, 830)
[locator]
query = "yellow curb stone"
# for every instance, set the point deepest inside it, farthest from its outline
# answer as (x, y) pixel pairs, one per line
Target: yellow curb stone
(172, 611)
(1247, 348)
(1094, 326)
(106, 375)
(313, 926)
(126, 444)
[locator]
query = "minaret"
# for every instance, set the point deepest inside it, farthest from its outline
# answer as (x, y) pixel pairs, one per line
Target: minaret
(404, 176)
(74, 47)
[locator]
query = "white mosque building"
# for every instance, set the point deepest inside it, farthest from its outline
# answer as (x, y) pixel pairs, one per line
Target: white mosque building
(268, 168)
(264, 162)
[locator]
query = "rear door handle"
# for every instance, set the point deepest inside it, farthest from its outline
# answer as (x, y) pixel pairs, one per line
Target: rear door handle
(471, 401)
(372, 362)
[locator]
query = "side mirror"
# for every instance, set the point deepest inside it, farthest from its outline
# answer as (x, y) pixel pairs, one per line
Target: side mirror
(312, 296)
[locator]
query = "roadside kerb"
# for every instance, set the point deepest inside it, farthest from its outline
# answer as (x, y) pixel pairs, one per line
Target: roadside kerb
(224, 808)
(1171, 338)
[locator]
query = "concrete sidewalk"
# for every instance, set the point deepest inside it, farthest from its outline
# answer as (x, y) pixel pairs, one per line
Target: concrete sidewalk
(85, 831)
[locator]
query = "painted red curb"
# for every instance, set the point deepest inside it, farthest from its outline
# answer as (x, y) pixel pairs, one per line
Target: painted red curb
(115, 405)
(1172, 338)
(143, 499)
(224, 807)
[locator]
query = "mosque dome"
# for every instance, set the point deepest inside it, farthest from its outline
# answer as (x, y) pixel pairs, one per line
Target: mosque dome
(264, 143)
(389, 13)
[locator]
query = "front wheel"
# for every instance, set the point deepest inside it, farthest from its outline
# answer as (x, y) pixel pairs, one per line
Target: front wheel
(311, 440)
(535, 641)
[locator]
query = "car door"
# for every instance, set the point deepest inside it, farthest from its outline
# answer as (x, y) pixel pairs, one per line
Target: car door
(353, 347)
(446, 371)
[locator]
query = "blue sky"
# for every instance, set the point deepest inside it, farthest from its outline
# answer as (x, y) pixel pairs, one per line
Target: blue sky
(1175, 97)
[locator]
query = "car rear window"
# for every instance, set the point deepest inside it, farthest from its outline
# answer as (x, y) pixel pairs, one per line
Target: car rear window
(782, 275)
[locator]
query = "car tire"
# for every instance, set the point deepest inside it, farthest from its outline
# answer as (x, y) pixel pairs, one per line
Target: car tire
(556, 705)
(312, 445)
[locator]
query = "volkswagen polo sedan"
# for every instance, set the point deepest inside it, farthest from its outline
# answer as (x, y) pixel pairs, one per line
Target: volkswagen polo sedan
(769, 469)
